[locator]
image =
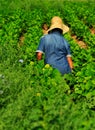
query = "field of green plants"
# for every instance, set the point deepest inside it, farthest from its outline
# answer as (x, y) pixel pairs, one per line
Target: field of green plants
(37, 97)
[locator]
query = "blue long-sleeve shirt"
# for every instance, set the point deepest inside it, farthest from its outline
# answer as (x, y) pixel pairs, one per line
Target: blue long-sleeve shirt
(56, 50)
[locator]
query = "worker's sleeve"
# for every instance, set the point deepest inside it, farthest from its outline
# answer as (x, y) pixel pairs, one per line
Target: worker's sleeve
(41, 46)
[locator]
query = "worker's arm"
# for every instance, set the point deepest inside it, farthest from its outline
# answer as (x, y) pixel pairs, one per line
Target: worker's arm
(70, 62)
(39, 55)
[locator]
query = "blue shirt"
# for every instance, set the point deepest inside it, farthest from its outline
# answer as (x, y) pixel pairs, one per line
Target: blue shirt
(56, 50)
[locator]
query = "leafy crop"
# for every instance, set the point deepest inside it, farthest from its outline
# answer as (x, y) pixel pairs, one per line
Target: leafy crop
(34, 96)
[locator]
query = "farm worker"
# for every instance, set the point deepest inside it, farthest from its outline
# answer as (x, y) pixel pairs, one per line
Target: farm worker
(55, 47)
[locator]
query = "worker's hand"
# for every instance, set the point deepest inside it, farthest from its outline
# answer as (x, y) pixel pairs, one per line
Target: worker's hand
(39, 55)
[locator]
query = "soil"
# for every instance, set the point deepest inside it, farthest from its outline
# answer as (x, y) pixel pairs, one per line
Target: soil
(21, 40)
(92, 30)
(79, 42)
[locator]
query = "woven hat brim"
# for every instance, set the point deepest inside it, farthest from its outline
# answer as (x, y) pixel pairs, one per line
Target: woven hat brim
(63, 27)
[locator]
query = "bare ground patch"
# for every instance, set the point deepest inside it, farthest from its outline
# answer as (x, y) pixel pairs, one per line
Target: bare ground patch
(79, 42)
(21, 39)
(92, 30)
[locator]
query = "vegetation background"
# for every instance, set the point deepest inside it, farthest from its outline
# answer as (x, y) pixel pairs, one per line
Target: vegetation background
(37, 97)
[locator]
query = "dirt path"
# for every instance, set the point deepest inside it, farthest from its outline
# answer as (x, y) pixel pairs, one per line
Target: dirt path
(79, 42)
(21, 40)
(92, 30)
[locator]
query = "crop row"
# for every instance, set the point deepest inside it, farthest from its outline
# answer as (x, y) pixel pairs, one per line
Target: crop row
(27, 25)
(34, 96)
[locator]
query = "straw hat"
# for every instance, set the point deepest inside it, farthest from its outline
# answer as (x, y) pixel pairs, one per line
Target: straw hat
(56, 22)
